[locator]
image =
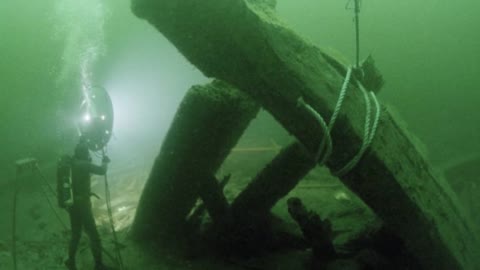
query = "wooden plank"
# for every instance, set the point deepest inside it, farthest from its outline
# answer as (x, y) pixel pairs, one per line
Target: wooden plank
(274, 182)
(208, 124)
(244, 44)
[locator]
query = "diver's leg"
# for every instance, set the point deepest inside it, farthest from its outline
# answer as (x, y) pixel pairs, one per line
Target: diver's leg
(76, 227)
(91, 230)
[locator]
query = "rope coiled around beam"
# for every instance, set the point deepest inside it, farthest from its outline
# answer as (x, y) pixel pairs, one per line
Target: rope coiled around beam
(325, 149)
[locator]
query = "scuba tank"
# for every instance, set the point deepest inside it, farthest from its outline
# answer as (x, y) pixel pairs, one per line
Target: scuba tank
(64, 183)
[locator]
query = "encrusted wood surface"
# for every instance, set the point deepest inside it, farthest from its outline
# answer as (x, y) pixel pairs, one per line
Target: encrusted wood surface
(242, 43)
(208, 124)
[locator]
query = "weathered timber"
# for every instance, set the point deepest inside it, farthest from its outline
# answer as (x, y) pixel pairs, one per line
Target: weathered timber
(243, 43)
(274, 182)
(211, 193)
(195, 218)
(370, 76)
(253, 227)
(464, 177)
(367, 74)
(207, 125)
(316, 231)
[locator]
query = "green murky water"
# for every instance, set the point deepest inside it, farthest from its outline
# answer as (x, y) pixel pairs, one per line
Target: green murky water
(427, 51)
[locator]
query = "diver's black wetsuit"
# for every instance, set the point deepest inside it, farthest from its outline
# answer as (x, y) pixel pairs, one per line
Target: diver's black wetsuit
(81, 216)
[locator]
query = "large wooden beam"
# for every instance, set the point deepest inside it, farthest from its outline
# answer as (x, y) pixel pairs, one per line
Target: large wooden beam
(244, 44)
(273, 183)
(208, 124)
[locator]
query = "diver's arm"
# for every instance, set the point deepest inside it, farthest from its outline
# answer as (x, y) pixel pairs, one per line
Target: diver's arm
(98, 169)
(88, 166)
(102, 169)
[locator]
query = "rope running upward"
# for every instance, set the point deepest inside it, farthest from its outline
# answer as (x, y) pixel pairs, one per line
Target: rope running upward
(357, 33)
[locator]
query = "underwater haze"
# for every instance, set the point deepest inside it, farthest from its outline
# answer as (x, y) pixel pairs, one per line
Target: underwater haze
(52, 50)
(428, 52)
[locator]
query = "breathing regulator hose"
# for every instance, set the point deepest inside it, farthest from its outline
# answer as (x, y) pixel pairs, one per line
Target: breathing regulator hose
(118, 254)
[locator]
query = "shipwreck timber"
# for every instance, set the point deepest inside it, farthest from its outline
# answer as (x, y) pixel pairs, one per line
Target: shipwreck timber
(242, 43)
(207, 126)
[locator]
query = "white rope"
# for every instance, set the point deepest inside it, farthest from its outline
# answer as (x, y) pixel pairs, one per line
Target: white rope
(370, 127)
(336, 112)
(370, 130)
(341, 97)
(327, 139)
(377, 117)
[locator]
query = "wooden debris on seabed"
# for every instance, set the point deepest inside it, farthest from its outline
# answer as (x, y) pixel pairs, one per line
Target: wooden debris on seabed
(243, 43)
(376, 249)
(316, 231)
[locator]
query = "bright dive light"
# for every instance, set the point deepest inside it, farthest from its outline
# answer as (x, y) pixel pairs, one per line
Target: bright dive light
(97, 124)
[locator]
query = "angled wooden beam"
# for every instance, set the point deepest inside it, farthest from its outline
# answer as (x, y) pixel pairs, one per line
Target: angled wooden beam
(273, 183)
(207, 125)
(243, 43)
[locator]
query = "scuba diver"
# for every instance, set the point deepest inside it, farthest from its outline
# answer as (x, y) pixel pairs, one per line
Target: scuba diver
(80, 211)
